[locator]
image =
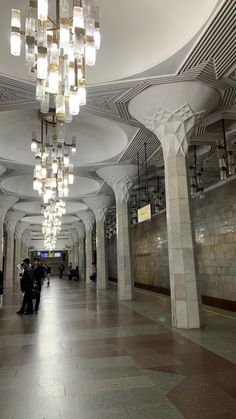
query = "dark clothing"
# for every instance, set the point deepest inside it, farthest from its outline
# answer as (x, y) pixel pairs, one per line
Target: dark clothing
(1, 283)
(48, 269)
(27, 301)
(39, 275)
(27, 282)
(27, 279)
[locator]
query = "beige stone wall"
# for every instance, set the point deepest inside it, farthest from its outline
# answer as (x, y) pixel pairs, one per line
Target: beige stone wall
(215, 231)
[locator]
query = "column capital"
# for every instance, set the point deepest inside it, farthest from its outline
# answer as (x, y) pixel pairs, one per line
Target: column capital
(74, 236)
(12, 219)
(173, 129)
(99, 205)
(6, 202)
(19, 230)
(80, 228)
(88, 219)
(120, 178)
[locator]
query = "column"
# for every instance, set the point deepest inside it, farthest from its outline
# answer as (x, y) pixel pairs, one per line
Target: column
(6, 202)
(82, 258)
(20, 228)
(79, 226)
(173, 130)
(24, 244)
(11, 220)
(75, 255)
(88, 219)
(100, 205)
(120, 178)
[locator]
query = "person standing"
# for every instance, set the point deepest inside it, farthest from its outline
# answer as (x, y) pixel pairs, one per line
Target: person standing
(39, 275)
(27, 282)
(61, 270)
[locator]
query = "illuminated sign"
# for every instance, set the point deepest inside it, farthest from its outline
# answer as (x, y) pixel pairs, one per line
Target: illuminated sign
(144, 213)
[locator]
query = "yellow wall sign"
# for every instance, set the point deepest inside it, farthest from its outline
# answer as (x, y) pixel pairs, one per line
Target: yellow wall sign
(144, 213)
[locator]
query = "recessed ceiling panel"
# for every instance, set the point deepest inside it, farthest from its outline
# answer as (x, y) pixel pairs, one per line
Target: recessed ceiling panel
(22, 185)
(34, 207)
(98, 139)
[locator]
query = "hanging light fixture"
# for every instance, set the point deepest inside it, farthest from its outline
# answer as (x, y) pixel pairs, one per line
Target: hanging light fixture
(225, 157)
(53, 174)
(196, 184)
(57, 52)
(53, 171)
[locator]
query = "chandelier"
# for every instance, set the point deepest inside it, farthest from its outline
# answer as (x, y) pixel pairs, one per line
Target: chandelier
(51, 224)
(53, 171)
(57, 51)
(53, 174)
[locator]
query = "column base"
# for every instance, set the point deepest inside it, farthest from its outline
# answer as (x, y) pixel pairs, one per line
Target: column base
(186, 314)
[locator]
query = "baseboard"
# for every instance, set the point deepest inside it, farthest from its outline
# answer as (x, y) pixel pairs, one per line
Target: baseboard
(208, 301)
(219, 303)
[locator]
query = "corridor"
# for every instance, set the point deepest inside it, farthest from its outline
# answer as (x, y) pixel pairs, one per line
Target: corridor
(89, 357)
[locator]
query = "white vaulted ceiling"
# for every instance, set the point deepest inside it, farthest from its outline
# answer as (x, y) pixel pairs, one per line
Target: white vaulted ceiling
(22, 185)
(136, 35)
(139, 38)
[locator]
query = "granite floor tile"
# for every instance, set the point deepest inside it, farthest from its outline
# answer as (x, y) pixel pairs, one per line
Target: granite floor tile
(87, 356)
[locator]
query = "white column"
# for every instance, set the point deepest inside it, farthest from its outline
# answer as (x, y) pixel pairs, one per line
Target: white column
(100, 205)
(88, 219)
(79, 226)
(120, 178)
(81, 258)
(20, 228)
(24, 244)
(6, 202)
(173, 130)
(11, 220)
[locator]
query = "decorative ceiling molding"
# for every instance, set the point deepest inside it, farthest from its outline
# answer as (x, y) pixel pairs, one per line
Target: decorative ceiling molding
(218, 41)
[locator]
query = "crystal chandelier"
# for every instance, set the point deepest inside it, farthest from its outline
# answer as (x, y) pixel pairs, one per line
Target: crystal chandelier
(57, 52)
(53, 171)
(53, 174)
(51, 224)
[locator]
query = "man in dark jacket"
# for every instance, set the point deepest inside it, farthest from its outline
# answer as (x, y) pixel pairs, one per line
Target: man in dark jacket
(27, 282)
(38, 275)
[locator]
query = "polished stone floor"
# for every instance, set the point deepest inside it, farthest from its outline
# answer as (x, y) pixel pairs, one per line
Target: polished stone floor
(89, 357)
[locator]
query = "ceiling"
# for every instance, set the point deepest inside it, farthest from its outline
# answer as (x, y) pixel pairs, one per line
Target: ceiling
(145, 45)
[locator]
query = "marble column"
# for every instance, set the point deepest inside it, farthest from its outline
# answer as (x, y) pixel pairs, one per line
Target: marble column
(120, 178)
(82, 258)
(79, 226)
(99, 205)
(20, 228)
(88, 219)
(24, 244)
(6, 202)
(75, 253)
(173, 130)
(11, 220)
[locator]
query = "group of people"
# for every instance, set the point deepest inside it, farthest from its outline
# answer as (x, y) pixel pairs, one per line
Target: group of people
(31, 281)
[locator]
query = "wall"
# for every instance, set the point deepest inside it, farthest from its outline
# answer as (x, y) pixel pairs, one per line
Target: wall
(215, 230)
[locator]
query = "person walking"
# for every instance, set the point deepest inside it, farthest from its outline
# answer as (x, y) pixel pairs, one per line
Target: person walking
(27, 282)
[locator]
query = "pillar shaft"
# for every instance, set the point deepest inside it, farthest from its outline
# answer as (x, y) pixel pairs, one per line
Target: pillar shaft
(82, 259)
(185, 299)
(17, 258)
(125, 279)
(173, 130)
(9, 269)
(89, 253)
(102, 271)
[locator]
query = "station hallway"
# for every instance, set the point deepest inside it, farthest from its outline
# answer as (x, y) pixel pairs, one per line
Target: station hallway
(86, 356)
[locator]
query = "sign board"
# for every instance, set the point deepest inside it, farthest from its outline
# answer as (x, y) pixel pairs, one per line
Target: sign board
(144, 213)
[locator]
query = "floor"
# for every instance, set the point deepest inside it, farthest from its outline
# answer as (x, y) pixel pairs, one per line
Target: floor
(86, 356)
